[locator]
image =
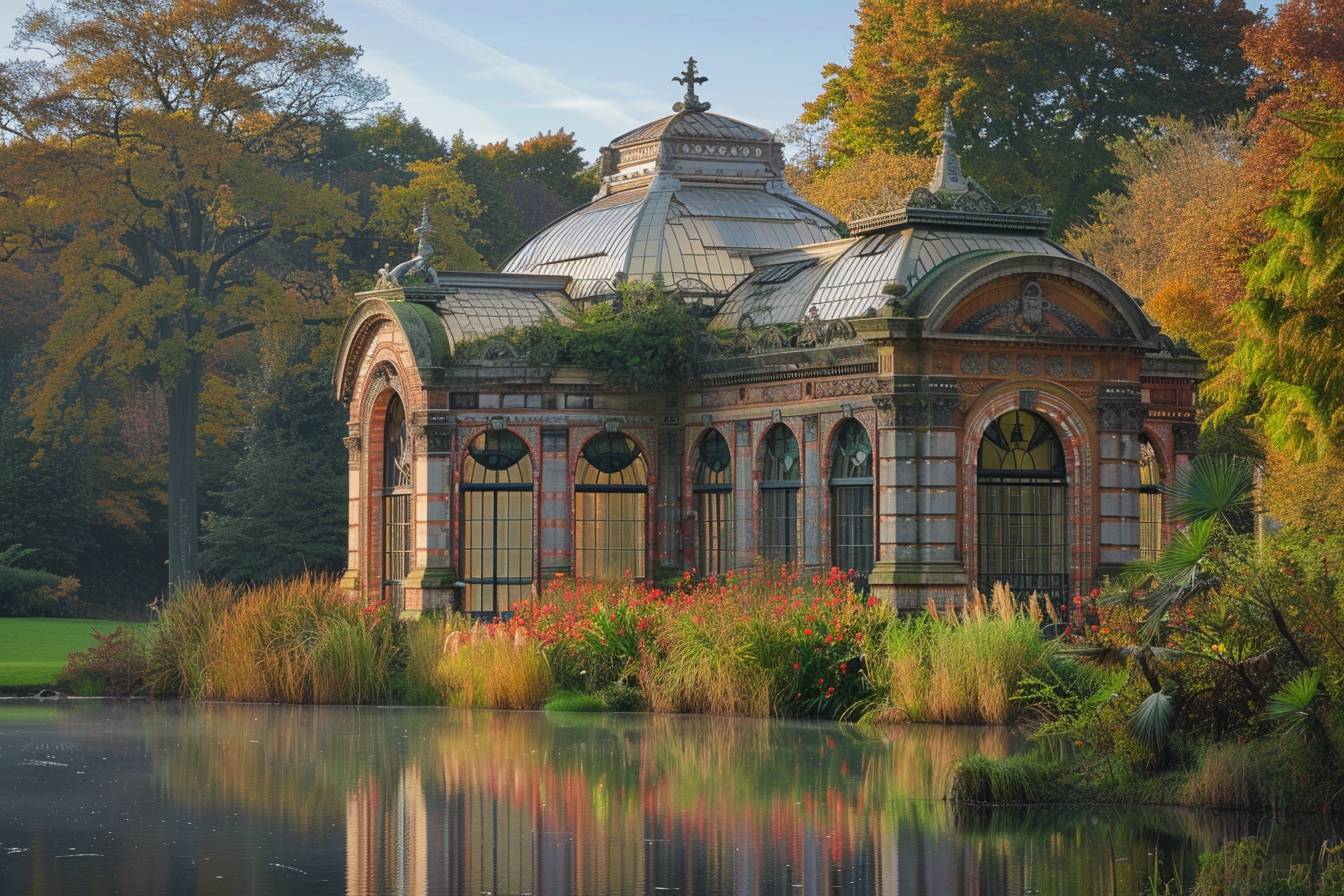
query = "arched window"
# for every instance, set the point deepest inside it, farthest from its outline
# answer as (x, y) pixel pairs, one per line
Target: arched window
(781, 478)
(852, 499)
(1150, 502)
(496, 522)
(1021, 491)
(713, 489)
(396, 499)
(611, 487)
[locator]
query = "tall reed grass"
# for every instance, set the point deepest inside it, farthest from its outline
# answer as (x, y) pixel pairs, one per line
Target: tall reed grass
(962, 665)
(298, 640)
(492, 667)
(178, 657)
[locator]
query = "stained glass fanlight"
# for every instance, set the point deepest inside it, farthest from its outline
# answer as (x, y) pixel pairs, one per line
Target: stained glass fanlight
(611, 495)
(1021, 489)
(852, 499)
(497, 523)
(781, 480)
(713, 490)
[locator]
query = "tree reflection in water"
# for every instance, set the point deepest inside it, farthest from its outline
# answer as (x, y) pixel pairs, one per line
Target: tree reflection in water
(430, 801)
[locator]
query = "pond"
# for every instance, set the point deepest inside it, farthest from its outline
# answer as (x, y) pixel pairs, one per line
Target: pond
(145, 798)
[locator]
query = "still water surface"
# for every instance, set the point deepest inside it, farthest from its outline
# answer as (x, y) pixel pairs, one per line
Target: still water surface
(215, 799)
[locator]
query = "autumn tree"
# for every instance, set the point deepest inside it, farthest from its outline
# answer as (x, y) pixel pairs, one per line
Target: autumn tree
(1179, 228)
(522, 187)
(877, 181)
(157, 150)
(1039, 88)
(1286, 371)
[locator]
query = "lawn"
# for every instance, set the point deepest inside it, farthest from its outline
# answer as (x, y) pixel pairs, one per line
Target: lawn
(33, 651)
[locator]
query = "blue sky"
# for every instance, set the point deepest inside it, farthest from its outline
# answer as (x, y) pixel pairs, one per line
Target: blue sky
(510, 69)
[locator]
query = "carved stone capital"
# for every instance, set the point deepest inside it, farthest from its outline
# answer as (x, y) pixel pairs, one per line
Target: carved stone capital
(1120, 408)
(434, 430)
(919, 401)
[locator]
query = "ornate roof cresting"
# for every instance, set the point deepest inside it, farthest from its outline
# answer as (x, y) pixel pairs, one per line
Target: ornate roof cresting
(690, 102)
(423, 252)
(947, 176)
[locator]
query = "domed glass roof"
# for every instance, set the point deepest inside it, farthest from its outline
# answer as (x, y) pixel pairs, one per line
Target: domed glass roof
(688, 199)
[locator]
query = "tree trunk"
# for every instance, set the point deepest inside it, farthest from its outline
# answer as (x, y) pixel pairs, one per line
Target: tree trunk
(184, 406)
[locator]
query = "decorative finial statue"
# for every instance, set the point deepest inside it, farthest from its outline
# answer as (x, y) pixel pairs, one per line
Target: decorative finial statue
(423, 250)
(691, 102)
(947, 176)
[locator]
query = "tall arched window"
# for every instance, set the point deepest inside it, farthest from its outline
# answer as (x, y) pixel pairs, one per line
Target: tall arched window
(852, 499)
(611, 487)
(713, 489)
(496, 522)
(781, 479)
(396, 500)
(1150, 502)
(1021, 491)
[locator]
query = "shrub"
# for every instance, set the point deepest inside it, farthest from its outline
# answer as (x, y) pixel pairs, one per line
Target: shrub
(963, 665)
(493, 667)
(760, 642)
(177, 652)
(115, 665)
(1244, 868)
(33, 592)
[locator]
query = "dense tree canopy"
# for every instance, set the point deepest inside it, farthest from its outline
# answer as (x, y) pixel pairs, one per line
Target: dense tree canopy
(1039, 88)
(155, 152)
(1176, 234)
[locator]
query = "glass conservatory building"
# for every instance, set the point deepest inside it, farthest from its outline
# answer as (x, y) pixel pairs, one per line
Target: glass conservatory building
(937, 398)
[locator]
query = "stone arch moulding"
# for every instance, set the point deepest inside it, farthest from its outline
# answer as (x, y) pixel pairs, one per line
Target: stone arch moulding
(1073, 425)
(415, 328)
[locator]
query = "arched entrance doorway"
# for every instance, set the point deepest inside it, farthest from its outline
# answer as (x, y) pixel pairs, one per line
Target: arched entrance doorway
(496, 523)
(1021, 492)
(396, 502)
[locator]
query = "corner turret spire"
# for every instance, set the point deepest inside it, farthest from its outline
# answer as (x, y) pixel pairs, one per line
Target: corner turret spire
(691, 102)
(947, 176)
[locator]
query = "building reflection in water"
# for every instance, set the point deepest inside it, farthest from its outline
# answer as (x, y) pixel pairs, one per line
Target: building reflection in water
(519, 803)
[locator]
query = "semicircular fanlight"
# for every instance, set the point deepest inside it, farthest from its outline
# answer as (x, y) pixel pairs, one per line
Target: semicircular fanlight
(497, 450)
(611, 452)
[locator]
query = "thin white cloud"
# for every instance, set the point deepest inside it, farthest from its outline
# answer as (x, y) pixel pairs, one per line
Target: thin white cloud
(445, 115)
(495, 65)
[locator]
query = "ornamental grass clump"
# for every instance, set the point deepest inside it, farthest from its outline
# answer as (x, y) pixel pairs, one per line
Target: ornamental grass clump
(178, 650)
(963, 665)
(300, 640)
(493, 666)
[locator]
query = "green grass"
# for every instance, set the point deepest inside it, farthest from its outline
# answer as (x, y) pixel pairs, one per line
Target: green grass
(572, 701)
(33, 651)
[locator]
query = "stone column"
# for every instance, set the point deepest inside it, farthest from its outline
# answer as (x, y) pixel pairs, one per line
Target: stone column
(350, 583)
(917, 493)
(557, 505)
(744, 484)
(813, 498)
(671, 447)
(1120, 415)
(430, 585)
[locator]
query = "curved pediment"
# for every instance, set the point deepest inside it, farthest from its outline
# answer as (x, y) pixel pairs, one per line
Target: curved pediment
(1048, 297)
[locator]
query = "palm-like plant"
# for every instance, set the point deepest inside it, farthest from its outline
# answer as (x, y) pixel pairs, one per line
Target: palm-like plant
(1206, 497)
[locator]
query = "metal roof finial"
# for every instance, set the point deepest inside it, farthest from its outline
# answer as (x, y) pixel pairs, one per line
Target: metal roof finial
(691, 102)
(947, 176)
